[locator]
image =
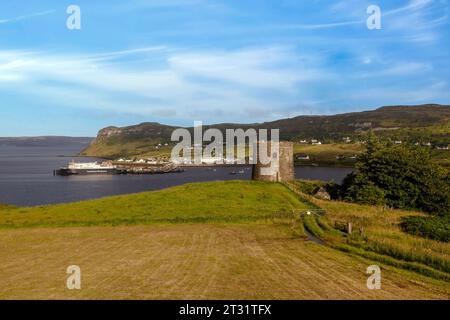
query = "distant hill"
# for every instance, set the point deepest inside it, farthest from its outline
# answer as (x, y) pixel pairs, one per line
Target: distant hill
(420, 123)
(45, 141)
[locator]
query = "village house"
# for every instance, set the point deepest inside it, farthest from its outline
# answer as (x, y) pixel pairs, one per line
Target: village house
(442, 147)
(321, 193)
(302, 156)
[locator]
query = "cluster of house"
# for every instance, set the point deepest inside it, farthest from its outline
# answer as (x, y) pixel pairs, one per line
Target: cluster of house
(313, 141)
(318, 142)
(159, 145)
(442, 147)
(139, 161)
(343, 157)
(205, 161)
(304, 156)
(439, 146)
(183, 161)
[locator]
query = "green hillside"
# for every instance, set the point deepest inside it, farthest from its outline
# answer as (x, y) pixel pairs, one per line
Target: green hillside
(425, 123)
(197, 202)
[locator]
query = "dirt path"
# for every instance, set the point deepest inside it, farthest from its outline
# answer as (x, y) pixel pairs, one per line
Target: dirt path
(190, 262)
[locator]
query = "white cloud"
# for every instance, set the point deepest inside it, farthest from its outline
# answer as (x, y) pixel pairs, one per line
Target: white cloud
(261, 68)
(185, 83)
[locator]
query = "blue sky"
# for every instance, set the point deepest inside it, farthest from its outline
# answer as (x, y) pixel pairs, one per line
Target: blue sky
(176, 61)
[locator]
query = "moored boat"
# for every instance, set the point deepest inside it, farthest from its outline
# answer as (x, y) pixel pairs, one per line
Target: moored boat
(87, 168)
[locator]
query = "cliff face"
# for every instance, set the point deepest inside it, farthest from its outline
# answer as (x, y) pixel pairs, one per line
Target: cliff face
(143, 129)
(399, 122)
(113, 142)
(110, 132)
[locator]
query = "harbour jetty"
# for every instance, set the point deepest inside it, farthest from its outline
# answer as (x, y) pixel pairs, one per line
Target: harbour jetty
(113, 168)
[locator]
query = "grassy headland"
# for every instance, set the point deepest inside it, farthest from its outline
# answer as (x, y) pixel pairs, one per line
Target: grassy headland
(197, 202)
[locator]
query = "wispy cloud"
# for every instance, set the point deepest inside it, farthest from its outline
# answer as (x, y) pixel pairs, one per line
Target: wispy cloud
(405, 16)
(191, 83)
(25, 17)
(413, 5)
(399, 69)
(222, 60)
(324, 25)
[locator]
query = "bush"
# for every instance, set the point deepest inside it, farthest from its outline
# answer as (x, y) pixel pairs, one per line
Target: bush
(359, 189)
(308, 186)
(436, 228)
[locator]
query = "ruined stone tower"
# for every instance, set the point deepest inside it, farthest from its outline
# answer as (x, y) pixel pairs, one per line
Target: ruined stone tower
(281, 167)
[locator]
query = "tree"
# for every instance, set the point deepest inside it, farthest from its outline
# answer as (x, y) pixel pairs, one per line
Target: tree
(400, 176)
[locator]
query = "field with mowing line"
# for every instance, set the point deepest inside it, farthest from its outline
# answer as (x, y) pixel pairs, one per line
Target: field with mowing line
(191, 261)
(217, 240)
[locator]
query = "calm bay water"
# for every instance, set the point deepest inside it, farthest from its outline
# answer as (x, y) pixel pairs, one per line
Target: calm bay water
(26, 177)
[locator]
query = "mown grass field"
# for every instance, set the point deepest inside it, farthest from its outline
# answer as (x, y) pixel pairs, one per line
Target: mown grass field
(221, 240)
(198, 261)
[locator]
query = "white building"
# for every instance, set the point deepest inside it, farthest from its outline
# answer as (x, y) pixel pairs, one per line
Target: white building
(303, 156)
(212, 160)
(442, 147)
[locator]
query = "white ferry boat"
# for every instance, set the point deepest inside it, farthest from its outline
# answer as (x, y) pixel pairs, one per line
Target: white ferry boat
(78, 168)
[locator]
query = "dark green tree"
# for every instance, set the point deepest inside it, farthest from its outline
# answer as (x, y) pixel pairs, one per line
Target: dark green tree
(400, 176)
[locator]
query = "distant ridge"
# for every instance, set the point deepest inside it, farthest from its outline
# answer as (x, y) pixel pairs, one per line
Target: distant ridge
(428, 121)
(43, 141)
